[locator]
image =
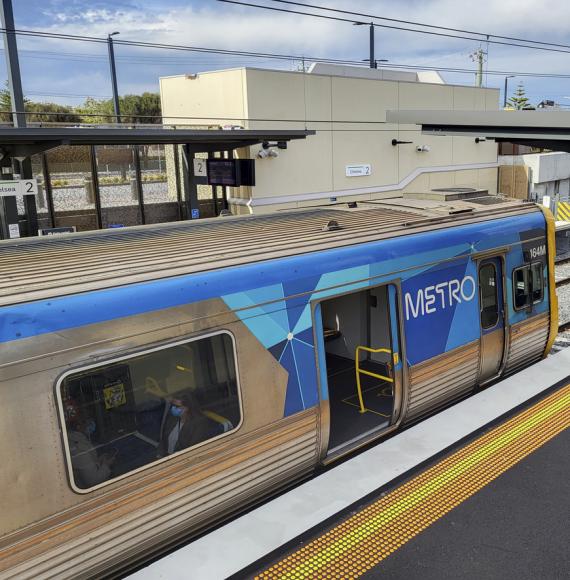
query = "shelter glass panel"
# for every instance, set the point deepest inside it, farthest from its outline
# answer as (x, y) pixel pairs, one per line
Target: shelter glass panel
(158, 180)
(72, 187)
(129, 413)
(118, 186)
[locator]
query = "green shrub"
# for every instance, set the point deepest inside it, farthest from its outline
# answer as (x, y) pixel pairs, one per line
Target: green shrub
(59, 182)
(113, 180)
(154, 177)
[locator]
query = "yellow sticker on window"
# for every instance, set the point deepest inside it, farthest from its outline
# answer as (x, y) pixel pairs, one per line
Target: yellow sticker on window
(114, 395)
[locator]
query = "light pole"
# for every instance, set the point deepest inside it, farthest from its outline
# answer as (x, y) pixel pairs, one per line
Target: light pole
(506, 89)
(114, 76)
(373, 62)
(372, 59)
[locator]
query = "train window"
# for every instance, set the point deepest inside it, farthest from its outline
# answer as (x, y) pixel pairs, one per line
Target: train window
(489, 298)
(520, 286)
(128, 413)
(537, 285)
(528, 285)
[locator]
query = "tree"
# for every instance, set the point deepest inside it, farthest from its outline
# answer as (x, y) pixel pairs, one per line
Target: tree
(51, 113)
(519, 100)
(135, 109)
(6, 105)
(38, 111)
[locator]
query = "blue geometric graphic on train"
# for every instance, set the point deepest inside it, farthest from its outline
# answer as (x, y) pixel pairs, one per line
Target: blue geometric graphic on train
(280, 326)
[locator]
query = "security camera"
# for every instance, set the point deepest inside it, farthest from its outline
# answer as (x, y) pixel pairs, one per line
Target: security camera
(267, 153)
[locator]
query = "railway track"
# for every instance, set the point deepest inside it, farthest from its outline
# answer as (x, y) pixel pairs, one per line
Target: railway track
(562, 261)
(564, 327)
(563, 282)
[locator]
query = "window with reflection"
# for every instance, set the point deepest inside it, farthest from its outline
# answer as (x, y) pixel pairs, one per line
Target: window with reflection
(536, 279)
(489, 296)
(128, 413)
(528, 285)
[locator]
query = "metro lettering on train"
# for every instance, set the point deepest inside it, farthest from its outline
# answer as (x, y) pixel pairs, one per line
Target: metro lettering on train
(442, 295)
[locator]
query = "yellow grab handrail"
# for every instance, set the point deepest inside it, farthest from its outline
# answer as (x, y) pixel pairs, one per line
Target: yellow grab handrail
(359, 371)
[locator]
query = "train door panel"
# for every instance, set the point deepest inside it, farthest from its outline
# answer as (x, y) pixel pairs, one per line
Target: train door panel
(396, 344)
(360, 362)
(492, 317)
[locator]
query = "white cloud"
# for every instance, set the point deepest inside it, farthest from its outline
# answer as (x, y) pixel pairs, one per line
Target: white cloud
(213, 24)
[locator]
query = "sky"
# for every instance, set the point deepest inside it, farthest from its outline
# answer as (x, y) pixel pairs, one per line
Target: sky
(67, 71)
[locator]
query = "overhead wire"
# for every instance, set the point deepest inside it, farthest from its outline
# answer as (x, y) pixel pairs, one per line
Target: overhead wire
(144, 60)
(392, 27)
(423, 24)
(164, 61)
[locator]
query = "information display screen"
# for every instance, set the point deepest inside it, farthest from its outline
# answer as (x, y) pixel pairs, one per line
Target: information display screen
(222, 172)
(231, 172)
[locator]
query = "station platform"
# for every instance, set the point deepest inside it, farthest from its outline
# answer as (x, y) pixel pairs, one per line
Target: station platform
(479, 490)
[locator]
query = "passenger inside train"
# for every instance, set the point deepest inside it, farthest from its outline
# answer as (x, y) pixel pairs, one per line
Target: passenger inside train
(185, 425)
(131, 412)
(89, 467)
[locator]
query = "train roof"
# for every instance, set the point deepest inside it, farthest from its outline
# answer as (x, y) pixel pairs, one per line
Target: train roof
(40, 268)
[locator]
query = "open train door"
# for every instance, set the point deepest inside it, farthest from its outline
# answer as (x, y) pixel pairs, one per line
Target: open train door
(360, 365)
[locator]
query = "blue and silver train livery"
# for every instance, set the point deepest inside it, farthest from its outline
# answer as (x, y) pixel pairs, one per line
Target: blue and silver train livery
(153, 380)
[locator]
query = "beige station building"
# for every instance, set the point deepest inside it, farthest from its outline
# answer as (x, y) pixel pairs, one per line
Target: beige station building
(355, 155)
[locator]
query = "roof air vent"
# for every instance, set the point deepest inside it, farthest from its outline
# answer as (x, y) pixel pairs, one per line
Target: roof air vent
(331, 226)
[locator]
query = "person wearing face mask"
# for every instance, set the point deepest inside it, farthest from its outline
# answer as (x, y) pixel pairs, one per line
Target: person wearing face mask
(185, 425)
(89, 468)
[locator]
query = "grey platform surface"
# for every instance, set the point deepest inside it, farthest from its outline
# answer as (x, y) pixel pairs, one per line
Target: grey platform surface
(515, 528)
(245, 540)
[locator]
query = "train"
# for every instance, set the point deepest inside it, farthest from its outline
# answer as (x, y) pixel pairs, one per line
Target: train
(155, 380)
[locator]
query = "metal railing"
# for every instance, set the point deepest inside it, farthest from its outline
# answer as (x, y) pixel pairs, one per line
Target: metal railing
(360, 371)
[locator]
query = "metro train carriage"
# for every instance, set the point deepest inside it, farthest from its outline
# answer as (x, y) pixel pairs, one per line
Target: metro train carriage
(154, 380)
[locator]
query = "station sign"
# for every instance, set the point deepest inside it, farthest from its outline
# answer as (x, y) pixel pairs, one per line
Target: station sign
(359, 170)
(18, 187)
(200, 168)
(57, 231)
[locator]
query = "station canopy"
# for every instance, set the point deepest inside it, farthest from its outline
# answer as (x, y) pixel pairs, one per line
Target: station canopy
(23, 142)
(543, 129)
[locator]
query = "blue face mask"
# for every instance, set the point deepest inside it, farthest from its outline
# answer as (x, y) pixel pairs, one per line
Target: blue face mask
(176, 411)
(90, 428)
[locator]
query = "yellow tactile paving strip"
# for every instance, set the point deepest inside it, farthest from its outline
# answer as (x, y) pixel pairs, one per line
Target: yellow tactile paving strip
(362, 541)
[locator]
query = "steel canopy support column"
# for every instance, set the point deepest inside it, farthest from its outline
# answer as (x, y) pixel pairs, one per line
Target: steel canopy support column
(212, 155)
(17, 95)
(95, 184)
(13, 65)
(9, 223)
(190, 185)
(225, 188)
(138, 179)
(49, 190)
(181, 211)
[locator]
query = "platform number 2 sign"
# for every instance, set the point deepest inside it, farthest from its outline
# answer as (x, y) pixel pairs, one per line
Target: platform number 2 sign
(200, 168)
(18, 187)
